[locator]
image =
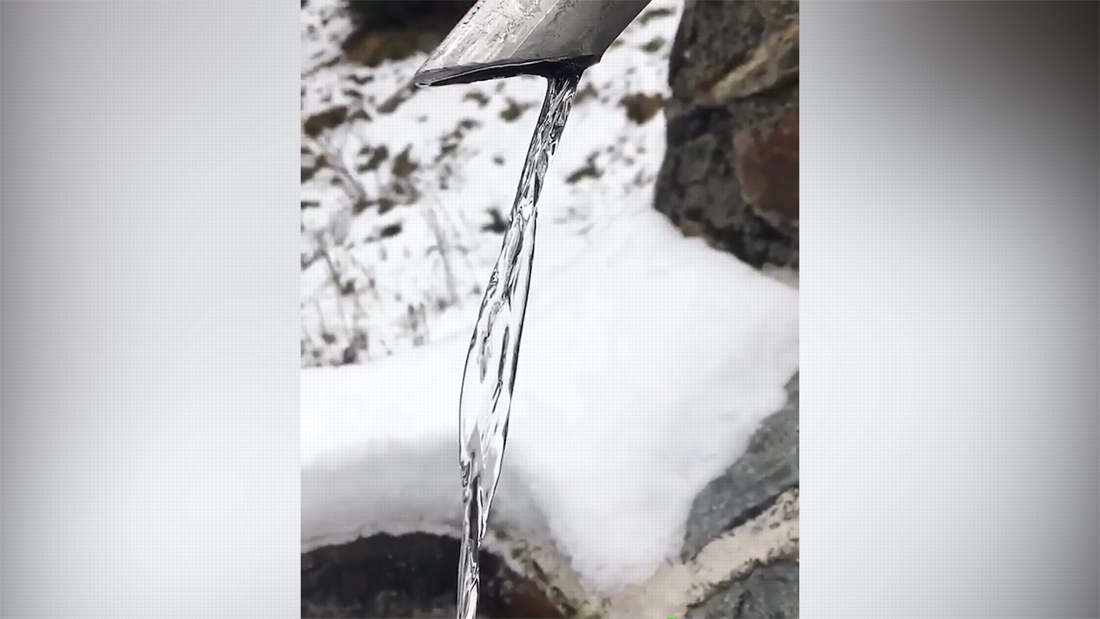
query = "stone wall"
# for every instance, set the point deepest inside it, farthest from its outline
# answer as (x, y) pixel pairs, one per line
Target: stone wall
(731, 170)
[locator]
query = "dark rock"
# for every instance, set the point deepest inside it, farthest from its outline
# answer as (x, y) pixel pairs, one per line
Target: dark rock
(385, 205)
(397, 99)
(768, 468)
(731, 167)
(654, 45)
(326, 119)
(770, 591)
(375, 157)
(393, 30)
(409, 576)
(498, 224)
(749, 488)
(651, 14)
(587, 93)
(391, 14)
(403, 165)
(311, 162)
(641, 107)
(590, 170)
(477, 97)
(370, 48)
(390, 231)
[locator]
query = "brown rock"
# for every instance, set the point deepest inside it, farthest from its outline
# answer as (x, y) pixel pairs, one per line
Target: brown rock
(513, 110)
(641, 107)
(403, 165)
(326, 119)
(477, 97)
(766, 166)
(394, 101)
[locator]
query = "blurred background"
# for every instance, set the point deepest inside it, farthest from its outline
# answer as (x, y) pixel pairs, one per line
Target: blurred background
(405, 195)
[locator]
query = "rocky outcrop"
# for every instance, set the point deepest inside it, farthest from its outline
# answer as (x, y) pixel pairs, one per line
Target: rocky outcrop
(731, 168)
(767, 469)
(753, 485)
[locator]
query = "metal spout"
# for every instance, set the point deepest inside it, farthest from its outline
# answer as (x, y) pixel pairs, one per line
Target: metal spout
(505, 38)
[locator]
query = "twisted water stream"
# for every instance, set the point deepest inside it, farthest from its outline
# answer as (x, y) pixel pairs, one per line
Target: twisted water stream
(490, 374)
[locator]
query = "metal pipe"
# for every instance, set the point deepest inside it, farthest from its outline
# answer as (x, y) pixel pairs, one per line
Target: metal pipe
(505, 38)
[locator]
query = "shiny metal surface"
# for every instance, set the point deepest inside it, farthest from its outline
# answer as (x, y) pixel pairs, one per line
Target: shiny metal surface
(504, 38)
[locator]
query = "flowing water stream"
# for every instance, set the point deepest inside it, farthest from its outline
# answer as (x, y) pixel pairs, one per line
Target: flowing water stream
(490, 374)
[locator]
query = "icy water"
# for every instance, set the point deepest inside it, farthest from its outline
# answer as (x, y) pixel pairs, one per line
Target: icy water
(490, 374)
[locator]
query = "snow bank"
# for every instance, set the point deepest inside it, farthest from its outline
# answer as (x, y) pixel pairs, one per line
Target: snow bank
(647, 363)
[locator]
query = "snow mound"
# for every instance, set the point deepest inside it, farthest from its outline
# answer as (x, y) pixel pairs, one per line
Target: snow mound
(648, 361)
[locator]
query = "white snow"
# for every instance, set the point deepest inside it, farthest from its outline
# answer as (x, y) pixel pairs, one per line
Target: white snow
(647, 361)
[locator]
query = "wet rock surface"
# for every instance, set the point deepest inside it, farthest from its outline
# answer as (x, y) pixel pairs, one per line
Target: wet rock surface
(409, 576)
(730, 172)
